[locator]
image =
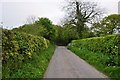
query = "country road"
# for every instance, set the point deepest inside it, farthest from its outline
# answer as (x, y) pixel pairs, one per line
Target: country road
(65, 64)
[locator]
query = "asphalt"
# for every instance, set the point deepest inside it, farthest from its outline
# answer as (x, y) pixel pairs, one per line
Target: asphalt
(65, 64)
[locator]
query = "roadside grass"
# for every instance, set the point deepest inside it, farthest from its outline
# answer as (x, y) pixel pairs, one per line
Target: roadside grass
(36, 67)
(98, 60)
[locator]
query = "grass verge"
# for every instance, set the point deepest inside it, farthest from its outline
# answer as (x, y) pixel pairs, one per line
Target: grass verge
(35, 67)
(98, 60)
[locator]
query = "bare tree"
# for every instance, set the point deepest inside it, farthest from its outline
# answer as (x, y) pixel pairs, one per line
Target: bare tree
(1, 24)
(31, 19)
(79, 13)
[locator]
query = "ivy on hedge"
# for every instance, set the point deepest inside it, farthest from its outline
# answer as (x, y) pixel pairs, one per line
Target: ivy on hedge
(108, 45)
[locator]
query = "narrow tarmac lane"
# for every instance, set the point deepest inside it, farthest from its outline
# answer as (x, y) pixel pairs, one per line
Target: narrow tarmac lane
(65, 64)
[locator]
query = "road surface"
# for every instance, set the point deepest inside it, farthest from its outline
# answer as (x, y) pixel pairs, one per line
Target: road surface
(65, 64)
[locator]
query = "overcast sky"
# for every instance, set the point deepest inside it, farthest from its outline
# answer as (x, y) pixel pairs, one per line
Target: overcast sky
(13, 13)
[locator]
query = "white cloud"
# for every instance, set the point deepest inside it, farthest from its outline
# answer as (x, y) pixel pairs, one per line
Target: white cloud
(15, 12)
(0, 12)
(32, 0)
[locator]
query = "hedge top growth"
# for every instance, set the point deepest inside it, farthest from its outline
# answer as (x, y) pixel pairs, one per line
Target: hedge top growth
(108, 45)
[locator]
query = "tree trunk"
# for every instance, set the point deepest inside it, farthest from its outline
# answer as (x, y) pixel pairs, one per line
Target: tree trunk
(80, 24)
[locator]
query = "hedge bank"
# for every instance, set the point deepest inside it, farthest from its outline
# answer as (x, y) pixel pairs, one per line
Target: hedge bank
(107, 45)
(19, 48)
(101, 52)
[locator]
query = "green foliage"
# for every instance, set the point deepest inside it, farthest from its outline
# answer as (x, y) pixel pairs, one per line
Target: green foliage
(61, 35)
(69, 34)
(80, 13)
(42, 27)
(108, 45)
(102, 50)
(66, 34)
(108, 25)
(86, 33)
(33, 29)
(50, 32)
(35, 67)
(19, 48)
(45, 22)
(98, 60)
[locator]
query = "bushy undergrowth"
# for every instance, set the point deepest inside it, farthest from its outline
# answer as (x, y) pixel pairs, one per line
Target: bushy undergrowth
(108, 45)
(39, 29)
(18, 48)
(35, 67)
(98, 60)
(102, 52)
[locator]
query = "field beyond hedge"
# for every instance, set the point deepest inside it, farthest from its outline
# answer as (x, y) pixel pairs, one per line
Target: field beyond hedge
(102, 52)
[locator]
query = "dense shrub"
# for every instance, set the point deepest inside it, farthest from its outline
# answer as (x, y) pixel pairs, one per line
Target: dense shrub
(66, 34)
(101, 52)
(108, 45)
(18, 48)
(42, 27)
(98, 60)
(35, 67)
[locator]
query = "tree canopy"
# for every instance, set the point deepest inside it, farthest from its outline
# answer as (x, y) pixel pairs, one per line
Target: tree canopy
(79, 13)
(108, 25)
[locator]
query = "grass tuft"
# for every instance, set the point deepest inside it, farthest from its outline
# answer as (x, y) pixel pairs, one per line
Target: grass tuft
(99, 61)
